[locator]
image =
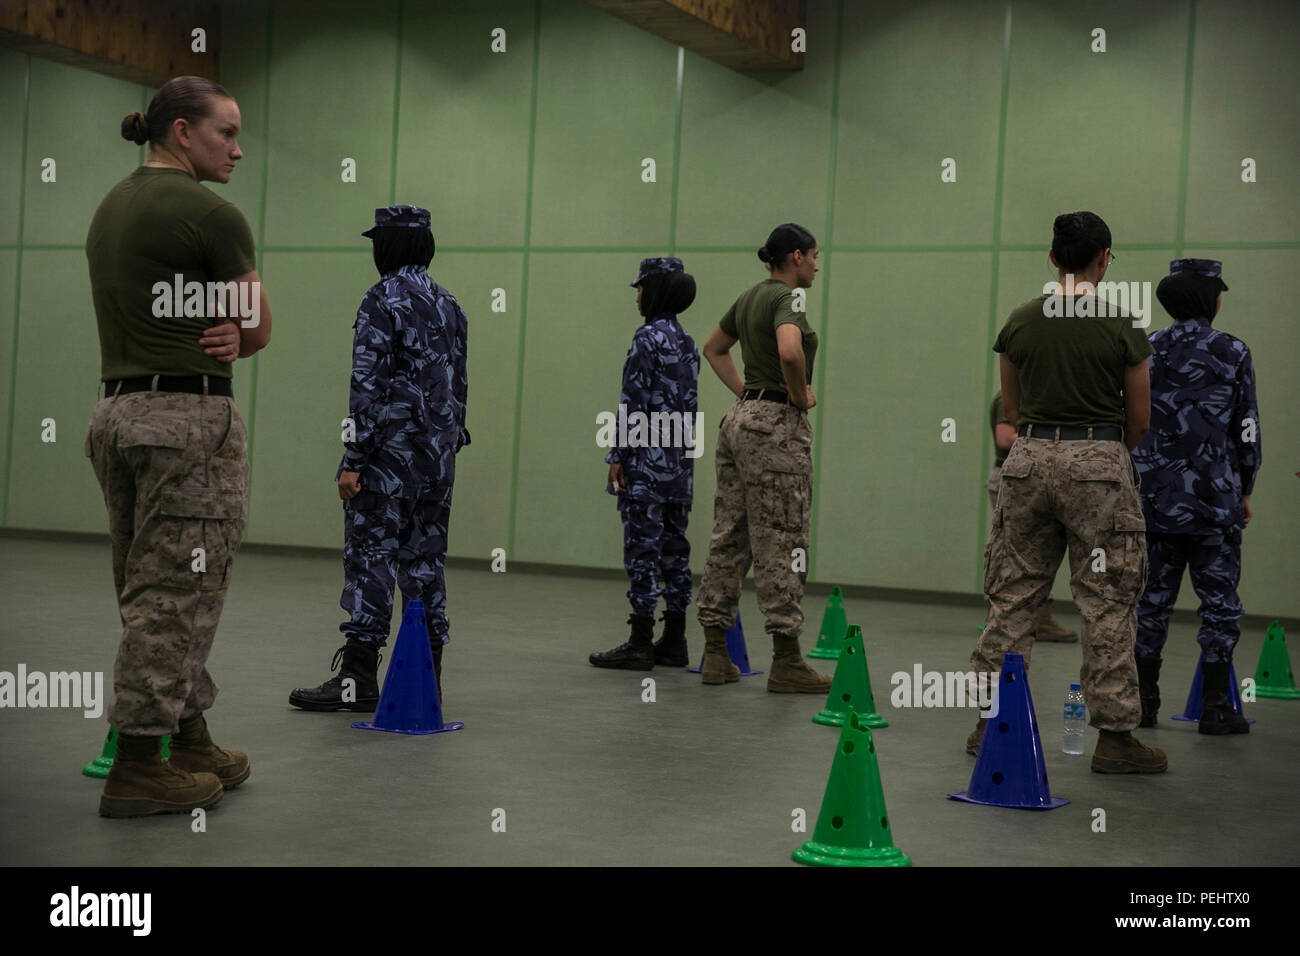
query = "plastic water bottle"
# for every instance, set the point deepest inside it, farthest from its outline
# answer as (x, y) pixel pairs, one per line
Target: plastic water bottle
(1076, 714)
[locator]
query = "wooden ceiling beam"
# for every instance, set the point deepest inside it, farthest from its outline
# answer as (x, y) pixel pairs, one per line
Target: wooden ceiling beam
(142, 41)
(740, 34)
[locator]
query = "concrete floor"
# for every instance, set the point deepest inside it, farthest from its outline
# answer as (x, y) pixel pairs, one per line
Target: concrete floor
(586, 772)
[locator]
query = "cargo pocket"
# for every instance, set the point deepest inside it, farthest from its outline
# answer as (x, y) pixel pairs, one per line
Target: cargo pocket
(784, 501)
(1009, 481)
(235, 442)
(1001, 562)
(193, 540)
(1126, 558)
(785, 446)
(993, 553)
(1095, 469)
(1017, 466)
(155, 431)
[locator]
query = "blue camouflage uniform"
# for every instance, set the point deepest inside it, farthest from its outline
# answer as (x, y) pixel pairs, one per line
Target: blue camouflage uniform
(1199, 458)
(407, 402)
(660, 376)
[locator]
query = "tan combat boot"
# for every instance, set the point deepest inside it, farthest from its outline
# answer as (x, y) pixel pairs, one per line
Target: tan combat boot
(1120, 752)
(791, 673)
(141, 784)
(193, 750)
(717, 667)
(1046, 629)
(976, 737)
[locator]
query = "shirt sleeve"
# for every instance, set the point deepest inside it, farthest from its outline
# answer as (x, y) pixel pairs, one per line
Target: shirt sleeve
(460, 374)
(1003, 340)
(1245, 415)
(227, 243)
(784, 312)
(638, 382)
(1134, 344)
(372, 370)
(728, 323)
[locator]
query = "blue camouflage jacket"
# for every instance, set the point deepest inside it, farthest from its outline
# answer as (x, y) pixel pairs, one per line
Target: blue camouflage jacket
(1203, 449)
(408, 386)
(660, 376)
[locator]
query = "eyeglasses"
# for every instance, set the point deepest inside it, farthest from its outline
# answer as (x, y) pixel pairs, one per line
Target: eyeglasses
(1111, 258)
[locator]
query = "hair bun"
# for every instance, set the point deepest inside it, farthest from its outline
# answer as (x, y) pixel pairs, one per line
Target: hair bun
(1067, 224)
(764, 255)
(135, 128)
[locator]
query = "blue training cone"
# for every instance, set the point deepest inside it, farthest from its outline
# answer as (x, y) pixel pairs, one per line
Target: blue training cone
(1192, 711)
(1010, 771)
(735, 650)
(409, 701)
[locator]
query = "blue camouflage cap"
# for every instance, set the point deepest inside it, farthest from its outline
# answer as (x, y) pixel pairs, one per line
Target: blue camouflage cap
(1207, 268)
(658, 266)
(412, 217)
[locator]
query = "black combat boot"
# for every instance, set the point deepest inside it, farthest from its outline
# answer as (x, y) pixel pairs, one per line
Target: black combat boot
(1149, 690)
(638, 654)
(360, 662)
(1218, 716)
(670, 650)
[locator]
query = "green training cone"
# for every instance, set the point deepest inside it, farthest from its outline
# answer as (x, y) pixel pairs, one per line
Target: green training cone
(835, 627)
(101, 765)
(853, 826)
(851, 688)
(1273, 677)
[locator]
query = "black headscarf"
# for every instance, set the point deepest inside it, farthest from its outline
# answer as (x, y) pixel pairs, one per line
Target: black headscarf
(1190, 296)
(667, 293)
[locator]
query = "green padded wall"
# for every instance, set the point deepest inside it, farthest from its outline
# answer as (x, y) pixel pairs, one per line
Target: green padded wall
(531, 163)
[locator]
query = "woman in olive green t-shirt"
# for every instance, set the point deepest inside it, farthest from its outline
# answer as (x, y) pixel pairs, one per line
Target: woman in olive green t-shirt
(166, 440)
(1075, 384)
(764, 464)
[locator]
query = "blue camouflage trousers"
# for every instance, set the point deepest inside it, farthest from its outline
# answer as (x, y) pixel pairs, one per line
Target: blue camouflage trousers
(391, 539)
(655, 551)
(1215, 565)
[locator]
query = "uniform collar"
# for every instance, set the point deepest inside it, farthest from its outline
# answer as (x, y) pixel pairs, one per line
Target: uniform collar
(1192, 325)
(404, 271)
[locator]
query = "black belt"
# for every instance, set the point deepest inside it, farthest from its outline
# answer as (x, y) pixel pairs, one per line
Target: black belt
(193, 384)
(1071, 432)
(766, 394)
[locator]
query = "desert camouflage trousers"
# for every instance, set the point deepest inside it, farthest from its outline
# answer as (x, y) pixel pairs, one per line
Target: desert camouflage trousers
(761, 512)
(1080, 497)
(174, 472)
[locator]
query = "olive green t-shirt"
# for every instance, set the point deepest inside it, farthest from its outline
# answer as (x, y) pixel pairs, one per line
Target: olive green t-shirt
(753, 319)
(152, 225)
(1071, 368)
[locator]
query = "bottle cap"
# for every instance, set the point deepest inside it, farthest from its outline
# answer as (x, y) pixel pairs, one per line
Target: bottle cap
(1074, 686)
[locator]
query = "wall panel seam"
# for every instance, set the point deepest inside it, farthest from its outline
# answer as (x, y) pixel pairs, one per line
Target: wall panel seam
(994, 264)
(250, 424)
(523, 290)
(824, 324)
(18, 294)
